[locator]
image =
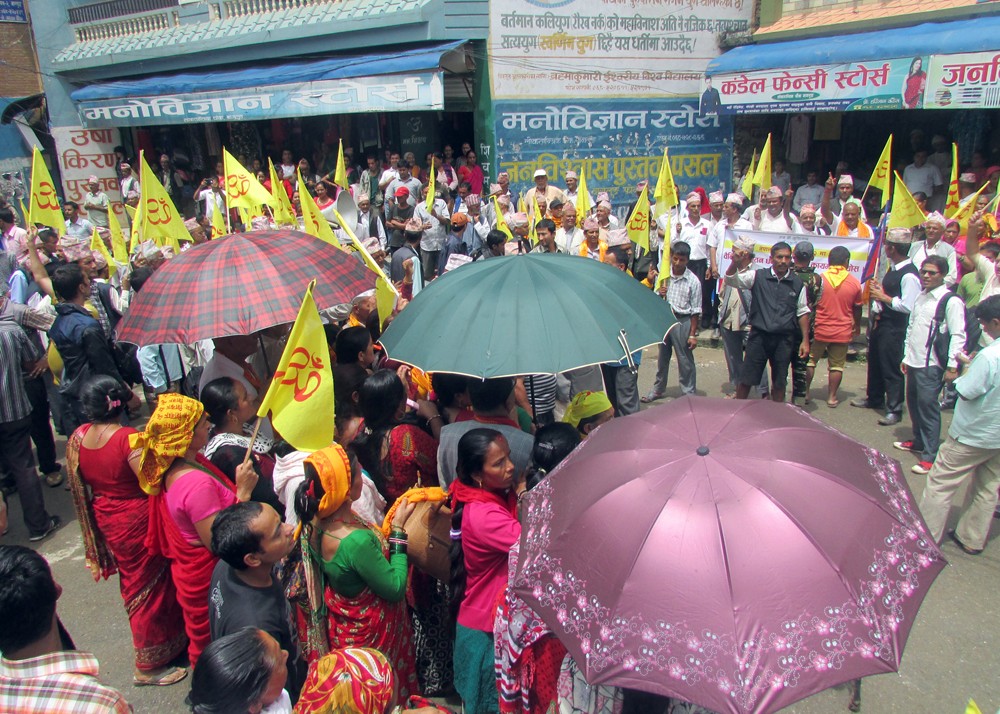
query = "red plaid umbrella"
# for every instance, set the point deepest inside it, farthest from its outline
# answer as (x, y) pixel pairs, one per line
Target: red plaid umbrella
(240, 284)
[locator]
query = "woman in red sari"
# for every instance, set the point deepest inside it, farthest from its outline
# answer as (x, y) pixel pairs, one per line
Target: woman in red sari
(357, 587)
(114, 514)
(187, 492)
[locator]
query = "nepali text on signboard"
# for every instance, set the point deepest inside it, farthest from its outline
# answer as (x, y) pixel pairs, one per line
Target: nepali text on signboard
(599, 48)
(966, 81)
(411, 92)
(617, 144)
(880, 84)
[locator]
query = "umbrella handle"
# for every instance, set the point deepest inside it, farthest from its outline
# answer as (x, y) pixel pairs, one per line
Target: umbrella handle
(628, 353)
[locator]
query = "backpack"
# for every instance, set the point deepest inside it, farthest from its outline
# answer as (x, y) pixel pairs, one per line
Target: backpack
(938, 338)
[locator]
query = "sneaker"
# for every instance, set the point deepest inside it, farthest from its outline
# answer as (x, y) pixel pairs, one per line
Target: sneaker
(903, 445)
(54, 523)
(53, 478)
(922, 467)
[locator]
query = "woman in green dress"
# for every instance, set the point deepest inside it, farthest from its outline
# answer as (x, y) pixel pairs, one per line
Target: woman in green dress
(357, 577)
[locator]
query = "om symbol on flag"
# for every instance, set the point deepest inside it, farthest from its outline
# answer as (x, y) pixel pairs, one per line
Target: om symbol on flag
(46, 196)
(157, 211)
(237, 185)
(639, 221)
(302, 364)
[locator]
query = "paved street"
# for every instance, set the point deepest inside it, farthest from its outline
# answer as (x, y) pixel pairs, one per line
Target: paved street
(952, 652)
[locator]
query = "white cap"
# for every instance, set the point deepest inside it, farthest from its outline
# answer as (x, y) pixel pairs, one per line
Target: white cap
(540, 172)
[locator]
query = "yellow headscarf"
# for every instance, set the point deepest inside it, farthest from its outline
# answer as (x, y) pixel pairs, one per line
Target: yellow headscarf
(585, 405)
(333, 466)
(168, 434)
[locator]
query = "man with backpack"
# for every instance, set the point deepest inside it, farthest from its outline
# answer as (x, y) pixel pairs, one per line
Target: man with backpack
(935, 334)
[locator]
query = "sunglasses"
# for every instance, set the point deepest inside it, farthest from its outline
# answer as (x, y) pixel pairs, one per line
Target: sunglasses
(930, 272)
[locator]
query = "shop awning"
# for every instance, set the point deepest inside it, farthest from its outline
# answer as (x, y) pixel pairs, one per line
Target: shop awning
(410, 80)
(939, 65)
(979, 35)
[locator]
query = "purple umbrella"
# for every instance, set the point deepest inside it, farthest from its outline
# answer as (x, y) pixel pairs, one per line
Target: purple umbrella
(740, 555)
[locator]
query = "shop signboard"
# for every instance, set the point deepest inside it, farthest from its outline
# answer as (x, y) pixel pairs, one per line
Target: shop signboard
(965, 81)
(616, 143)
(12, 11)
(573, 49)
(851, 86)
(419, 91)
(83, 153)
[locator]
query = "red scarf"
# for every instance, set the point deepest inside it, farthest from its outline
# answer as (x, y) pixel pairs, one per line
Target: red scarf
(460, 493)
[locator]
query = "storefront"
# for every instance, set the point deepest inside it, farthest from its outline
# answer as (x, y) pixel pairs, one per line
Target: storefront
(832, 99)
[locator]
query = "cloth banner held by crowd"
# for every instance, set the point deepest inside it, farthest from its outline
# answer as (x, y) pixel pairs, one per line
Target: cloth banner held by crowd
(763, 241)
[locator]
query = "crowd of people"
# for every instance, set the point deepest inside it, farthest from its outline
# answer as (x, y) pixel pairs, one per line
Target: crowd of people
(282, 578)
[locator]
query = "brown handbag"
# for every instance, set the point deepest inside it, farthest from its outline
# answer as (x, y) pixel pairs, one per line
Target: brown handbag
(428, 545)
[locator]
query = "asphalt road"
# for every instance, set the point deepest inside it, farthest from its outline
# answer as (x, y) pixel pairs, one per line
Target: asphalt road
(952, 653)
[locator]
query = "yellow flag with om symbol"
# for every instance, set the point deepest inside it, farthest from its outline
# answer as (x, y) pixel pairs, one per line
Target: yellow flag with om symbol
(158, 218)
(44, 205)
(300, 397)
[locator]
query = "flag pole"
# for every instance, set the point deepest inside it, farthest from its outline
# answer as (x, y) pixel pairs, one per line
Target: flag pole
(253, 438)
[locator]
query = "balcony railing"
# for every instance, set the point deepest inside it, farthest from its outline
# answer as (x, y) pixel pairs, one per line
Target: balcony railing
(242, 8)
(114, 9)
(127, 27)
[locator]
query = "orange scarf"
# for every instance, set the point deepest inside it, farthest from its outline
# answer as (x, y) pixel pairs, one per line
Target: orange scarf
(863, 230)
(601, 246)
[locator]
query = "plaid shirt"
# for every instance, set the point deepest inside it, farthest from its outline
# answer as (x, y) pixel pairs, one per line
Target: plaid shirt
(684, 294)
(57, 683)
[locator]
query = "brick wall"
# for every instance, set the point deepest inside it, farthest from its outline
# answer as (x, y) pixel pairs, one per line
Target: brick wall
(17, 51)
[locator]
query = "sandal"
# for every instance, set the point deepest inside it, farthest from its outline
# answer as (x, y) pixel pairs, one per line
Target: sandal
(652, 397)
(833, 405)
(171, 675)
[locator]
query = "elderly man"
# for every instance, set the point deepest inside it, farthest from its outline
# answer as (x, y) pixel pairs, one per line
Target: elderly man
(715, 202)
(731, 220)
(478, 226)
(808, 225)
(543, 189)
(972, 448)
(811, 192)
(605, 220)
(777, 218)
(693, 229)
(778, 305)
(520, 226)
(592, 247)
(932, 244)
(892, 300)
(370, 223)
(96, 203)
(568, 236)
(935, 335)
(435, 221)
(849, 221)
(129, 185)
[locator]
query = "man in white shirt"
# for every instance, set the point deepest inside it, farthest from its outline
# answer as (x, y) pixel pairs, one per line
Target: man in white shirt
(923, 176)
(76, 226)
(778, 217)
(543, 190)
(693, 229)
(370, 223)
(403, 178)
(934, 226)
(926, 368)
(731, 220)
(809, 192)
(568, 236)
(572, 184)
(435, 221)
(96, 203)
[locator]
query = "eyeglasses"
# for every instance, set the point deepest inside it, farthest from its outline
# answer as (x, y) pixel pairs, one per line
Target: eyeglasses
(930, 272)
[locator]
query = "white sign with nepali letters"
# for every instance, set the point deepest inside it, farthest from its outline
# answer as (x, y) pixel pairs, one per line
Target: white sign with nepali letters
(88, 152)
(964, 81)
(859, 248)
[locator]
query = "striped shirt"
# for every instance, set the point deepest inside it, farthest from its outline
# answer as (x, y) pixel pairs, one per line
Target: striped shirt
(57, 683)
(15, 351)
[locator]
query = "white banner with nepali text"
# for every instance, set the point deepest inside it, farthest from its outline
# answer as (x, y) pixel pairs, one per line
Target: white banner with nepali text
(859, 248)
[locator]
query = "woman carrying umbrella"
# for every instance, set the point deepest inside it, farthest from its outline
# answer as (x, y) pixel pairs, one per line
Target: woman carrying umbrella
(484, 528)
(114, 517)
(362, 578)
(187, 493)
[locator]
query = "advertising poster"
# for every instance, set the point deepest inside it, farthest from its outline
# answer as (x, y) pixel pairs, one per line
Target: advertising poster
(617, 144)
(574, 49)
(853, 86)
(969, 81)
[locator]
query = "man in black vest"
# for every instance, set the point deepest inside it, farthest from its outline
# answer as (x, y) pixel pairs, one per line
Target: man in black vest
(777, 308)
(892, 301)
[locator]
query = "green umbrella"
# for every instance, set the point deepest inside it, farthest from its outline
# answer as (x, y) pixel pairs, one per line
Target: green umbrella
(527, 314)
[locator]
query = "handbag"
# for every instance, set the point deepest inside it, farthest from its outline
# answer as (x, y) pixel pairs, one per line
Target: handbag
(428, 530)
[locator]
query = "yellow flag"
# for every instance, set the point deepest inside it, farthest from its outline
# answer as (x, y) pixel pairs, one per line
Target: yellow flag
(432, 187)
(134, 215)
(638, 222)
(522, 207)
(284, 215)
(582, 199)
(97, 244)
(315, 223)
(365, 255)
(340, 173)
(905, 212)
(951, 205)
(218, 223)
(966, 210)
(762, 176)
(664, 269)
(665, 193)
(533, 233)
(44, 202)
(25, 215)
(972, 708)
(160, 220)
(303, 384)
(385, 300)
(501, 222)
(747, 187)
(245, 217)
(243, 190)
(882, 173)
(118, 248)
